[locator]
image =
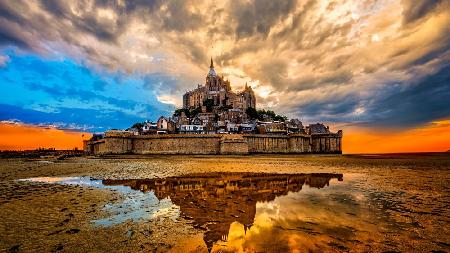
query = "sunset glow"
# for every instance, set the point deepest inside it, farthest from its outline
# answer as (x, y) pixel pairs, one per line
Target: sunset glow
(434, 137)
(28, 137)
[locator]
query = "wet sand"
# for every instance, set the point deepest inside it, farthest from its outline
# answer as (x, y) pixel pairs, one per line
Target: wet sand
(384, 203)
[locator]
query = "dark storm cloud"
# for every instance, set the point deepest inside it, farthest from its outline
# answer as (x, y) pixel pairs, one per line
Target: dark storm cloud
(9, 39)
(419, 102)
(88, 22)
(9, 35)
(193, 51)
(71, 22)
(275, 71)
(174, 17)
(7, 11)
(398, 105)
(258, 17)
(138, 5)
(58, 8)
(417, 9)
(333, 108)
(18, 26)
(441, 47)
(300, 25)
(177, 17)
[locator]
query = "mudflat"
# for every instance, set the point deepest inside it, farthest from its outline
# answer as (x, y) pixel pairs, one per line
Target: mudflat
(258, 203)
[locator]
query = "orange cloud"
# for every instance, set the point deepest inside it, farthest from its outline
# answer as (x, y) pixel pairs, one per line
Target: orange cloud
(23, 137)
(434, 137)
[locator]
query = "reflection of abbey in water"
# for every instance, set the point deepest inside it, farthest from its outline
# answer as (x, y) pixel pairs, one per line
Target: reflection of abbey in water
(214, 201)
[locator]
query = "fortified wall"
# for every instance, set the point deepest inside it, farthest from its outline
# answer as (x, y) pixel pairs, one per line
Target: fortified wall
(122, 142)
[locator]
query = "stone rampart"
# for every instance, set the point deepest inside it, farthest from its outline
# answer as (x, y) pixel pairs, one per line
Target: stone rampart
(259, 143)
(177, 144)
(122, 143)
(326, 143)
(233, 144)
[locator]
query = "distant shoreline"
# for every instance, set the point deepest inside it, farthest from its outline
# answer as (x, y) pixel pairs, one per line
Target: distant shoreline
(60, 154)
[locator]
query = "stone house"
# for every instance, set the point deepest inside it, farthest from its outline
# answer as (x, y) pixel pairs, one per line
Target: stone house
(166, 124)
(196, 121)
(318, 128)
(294, 126)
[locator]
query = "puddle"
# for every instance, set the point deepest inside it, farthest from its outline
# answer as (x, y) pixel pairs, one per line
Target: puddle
(255, 212)
(136, 205)
(233, 208)
(228, 204)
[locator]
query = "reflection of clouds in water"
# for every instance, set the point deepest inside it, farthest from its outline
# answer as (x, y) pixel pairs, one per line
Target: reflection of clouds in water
(312, 219)
(138, 206)
(170, 211)
(269, 207)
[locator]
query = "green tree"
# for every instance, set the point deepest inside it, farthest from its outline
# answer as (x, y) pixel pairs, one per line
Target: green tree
(280, 118)
(194, 112)
(261, 114)
(178, 112)
(270, 114)
(138, 125)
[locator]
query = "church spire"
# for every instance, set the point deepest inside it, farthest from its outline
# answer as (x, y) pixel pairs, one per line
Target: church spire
(212, 72)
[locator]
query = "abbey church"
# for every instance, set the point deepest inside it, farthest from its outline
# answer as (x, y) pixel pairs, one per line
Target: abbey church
(217, 94)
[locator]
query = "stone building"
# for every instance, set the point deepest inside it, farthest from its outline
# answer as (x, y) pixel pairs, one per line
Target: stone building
(217, 94)
(317, 129)
(166, 124)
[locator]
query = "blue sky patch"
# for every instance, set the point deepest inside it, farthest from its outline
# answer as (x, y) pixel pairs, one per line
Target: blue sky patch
(60, 91)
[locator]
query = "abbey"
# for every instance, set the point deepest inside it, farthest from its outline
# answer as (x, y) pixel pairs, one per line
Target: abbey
(216, 95)
(216, 120)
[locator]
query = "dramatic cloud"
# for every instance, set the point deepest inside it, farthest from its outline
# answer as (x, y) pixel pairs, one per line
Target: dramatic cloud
(414, 10)
(374, 62)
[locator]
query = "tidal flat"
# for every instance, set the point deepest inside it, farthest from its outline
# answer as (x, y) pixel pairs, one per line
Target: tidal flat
(257, 203)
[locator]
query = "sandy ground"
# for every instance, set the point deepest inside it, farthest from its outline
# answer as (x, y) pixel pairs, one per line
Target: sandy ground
(409, 189)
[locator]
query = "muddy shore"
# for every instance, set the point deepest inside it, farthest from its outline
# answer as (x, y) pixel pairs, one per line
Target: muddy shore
(409, 193)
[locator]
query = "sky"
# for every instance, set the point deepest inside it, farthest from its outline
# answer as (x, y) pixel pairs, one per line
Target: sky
(373, 68)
